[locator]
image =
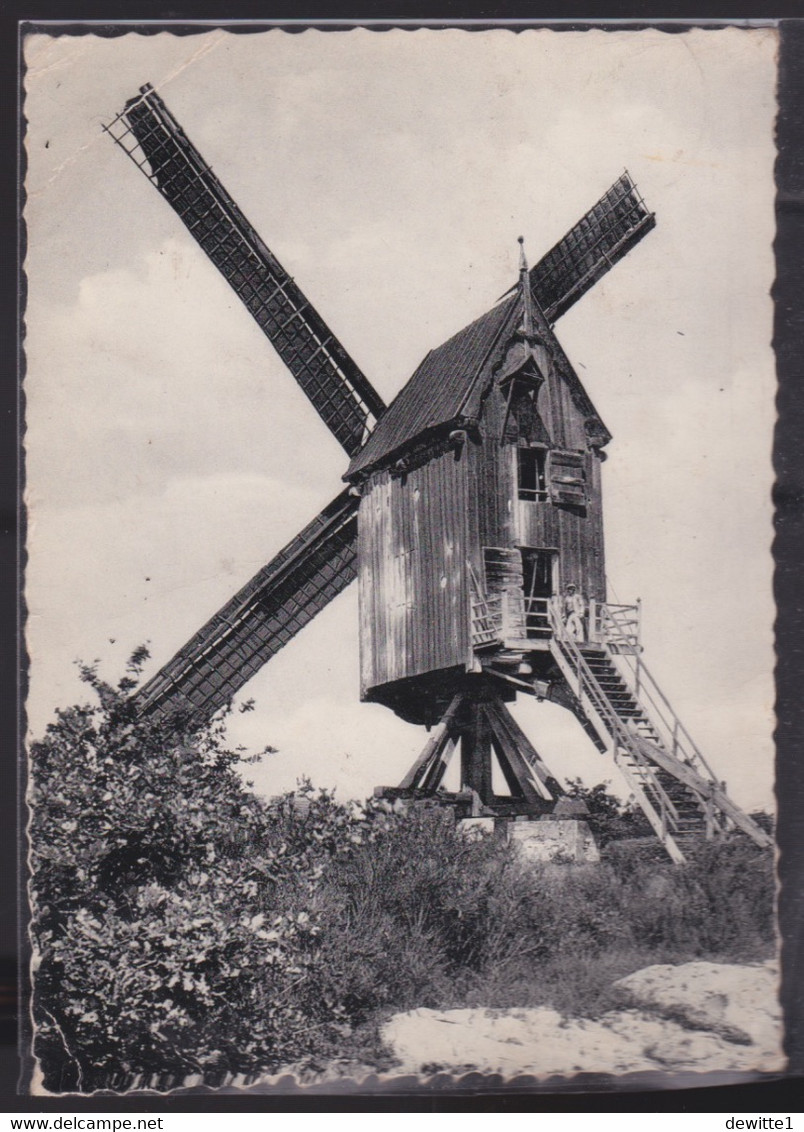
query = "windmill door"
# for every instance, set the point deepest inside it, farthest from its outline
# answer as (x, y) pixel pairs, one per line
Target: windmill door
(538, 576)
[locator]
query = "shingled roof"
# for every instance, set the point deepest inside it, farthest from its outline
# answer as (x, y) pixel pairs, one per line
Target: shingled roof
(439, 392)
(447, 386)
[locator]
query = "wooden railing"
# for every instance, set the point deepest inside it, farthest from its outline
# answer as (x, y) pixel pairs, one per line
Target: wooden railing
(674, 735)
(506, 616)
(641, 776)
(485, 615)
(616, 625)
(537, 617)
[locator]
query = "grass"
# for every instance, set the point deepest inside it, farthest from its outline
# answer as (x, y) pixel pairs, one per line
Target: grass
(415, 920)
(181, 925)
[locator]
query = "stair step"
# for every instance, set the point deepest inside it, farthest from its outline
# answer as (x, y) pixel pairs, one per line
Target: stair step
(614, 694)
(620, 707)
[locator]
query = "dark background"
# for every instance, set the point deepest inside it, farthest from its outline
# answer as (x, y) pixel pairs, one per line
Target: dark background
(582, 1094)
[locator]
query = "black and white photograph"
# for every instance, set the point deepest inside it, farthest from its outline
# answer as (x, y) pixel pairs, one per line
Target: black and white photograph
(399, 413)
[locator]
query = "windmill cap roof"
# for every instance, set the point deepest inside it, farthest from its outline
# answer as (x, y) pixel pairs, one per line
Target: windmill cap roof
(445, 389)
(437, 392)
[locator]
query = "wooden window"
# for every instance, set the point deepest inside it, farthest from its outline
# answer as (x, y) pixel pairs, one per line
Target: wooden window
(531, 474)
(566, 478)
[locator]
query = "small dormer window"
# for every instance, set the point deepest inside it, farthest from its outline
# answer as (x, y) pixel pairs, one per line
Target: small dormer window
(531, 474)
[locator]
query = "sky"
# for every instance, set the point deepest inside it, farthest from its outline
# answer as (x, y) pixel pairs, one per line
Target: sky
(170, 455)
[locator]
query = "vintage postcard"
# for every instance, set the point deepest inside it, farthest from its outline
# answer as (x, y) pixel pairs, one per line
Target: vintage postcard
(399, 413)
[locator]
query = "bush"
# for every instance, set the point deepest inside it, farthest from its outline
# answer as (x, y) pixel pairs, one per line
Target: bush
(170, 925)
(183, 926)
(610, 819)
(417, 910)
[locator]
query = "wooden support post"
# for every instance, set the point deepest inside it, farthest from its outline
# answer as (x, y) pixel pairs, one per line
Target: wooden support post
(515, 769)
(538, 770)
(433, 748)
(518, 791)
(438, 767)
(476, 752)
(478, 718)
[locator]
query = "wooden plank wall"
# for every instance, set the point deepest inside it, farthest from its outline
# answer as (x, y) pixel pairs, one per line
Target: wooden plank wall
(496, 480)
(506, 521)
(559, 412)
(414, 599)
(578, 535)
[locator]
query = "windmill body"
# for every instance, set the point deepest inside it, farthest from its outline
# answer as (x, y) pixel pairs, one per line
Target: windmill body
(472, 519)
(480, 502)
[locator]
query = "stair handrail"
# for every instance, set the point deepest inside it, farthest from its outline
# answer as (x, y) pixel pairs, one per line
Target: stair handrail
(586, 676)
(715, 795)
(616, 623)
(657, 806)
(644, 686)
(648, 753)
(620, 734)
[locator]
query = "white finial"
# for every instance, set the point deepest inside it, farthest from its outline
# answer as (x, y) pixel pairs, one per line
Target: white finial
(527, 298)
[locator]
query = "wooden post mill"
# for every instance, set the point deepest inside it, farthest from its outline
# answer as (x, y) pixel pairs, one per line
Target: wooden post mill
(472, 519)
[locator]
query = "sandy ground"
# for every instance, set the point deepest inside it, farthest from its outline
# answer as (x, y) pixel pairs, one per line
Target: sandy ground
(698, 1017)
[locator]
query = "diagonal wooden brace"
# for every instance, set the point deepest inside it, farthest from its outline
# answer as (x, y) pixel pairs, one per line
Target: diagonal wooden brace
(526, 757)
(443, 735)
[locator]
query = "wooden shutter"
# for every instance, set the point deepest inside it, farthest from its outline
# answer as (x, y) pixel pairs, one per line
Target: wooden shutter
(566, 477)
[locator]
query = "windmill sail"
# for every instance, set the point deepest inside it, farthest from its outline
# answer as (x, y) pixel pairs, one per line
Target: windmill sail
(259, 620)
(320, 561)
(339, 391)
(603, 236)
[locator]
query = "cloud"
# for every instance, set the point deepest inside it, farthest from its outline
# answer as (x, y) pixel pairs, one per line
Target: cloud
(391, 174)
(148, 566)
(158, 371)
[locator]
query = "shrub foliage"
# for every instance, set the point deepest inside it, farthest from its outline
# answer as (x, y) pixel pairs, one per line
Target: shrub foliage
(169, 923)
(182, 926)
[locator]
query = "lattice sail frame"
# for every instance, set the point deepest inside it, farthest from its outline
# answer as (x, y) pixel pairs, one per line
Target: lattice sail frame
(611, 227)
(287, 593)
(341, 394)
(261, 618)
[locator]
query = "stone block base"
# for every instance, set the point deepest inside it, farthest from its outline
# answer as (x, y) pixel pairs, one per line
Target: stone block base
(475, 828)
(551, 840)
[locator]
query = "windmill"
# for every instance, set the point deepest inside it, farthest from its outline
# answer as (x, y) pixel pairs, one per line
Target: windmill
(472, 520)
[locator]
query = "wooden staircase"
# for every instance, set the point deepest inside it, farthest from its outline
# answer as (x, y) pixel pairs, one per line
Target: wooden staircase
(690, 820)
(626, 713)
